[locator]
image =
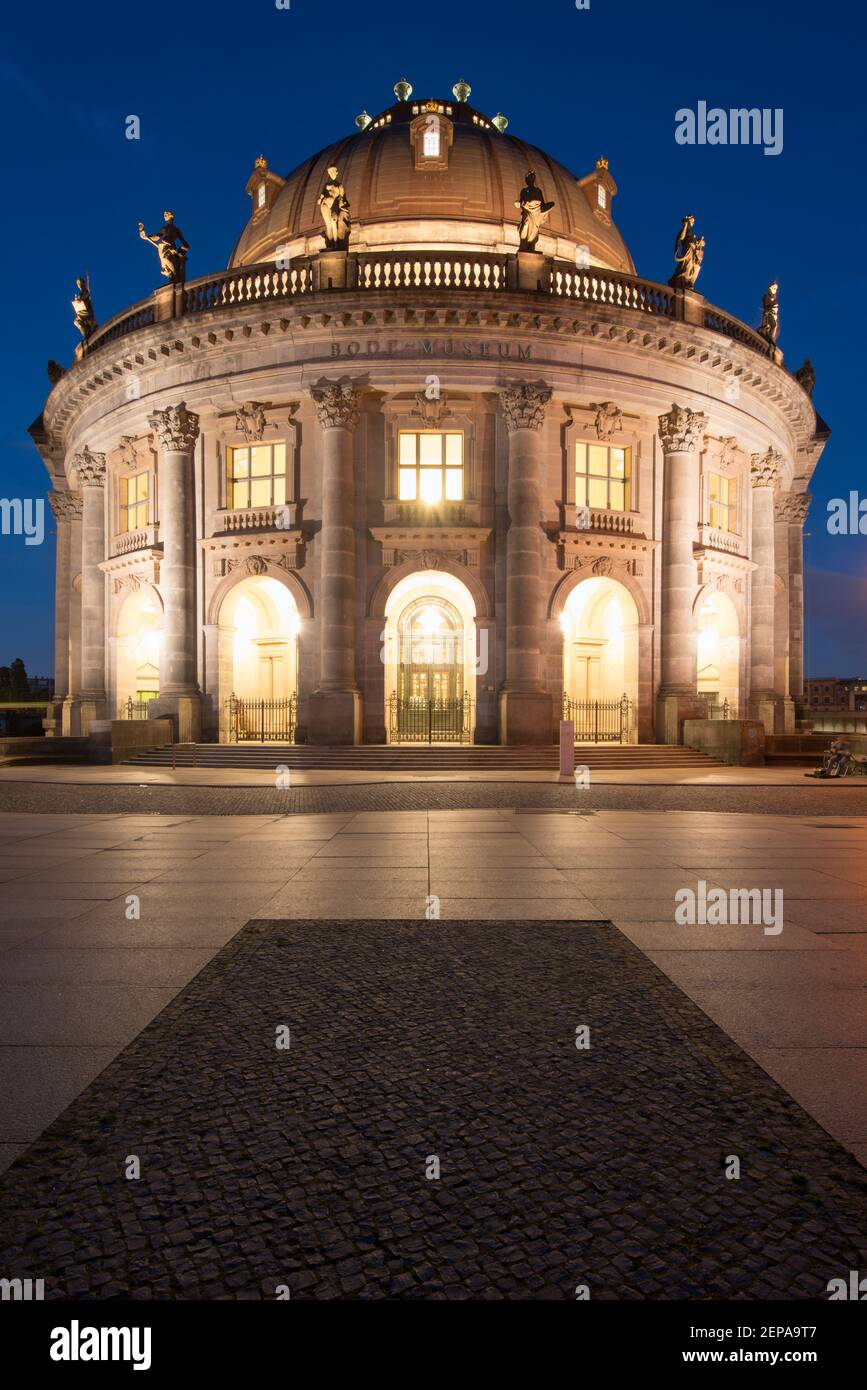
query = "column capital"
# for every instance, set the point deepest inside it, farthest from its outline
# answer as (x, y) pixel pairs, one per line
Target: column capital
(765, 468)
(176, 428)
(66, 505)
(90, 468)
(792, 507)
(336, 404)
(681, 429)
(524, 405)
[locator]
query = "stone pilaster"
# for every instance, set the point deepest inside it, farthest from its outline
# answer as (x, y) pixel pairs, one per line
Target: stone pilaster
(59, 506)
(334, 708)
(71, 709)
(681, 432)
(792, 508)
(90, 470)
(765, 700)
(526, 711)
(176, 430)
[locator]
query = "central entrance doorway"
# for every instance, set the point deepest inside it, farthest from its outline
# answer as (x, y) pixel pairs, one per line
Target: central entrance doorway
(258, 652)
(429, 656)
(600, 661)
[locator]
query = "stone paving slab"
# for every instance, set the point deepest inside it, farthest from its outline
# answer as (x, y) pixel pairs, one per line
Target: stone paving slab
(307, 1167)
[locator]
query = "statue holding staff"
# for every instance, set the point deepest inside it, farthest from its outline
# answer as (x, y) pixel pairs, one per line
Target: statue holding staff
(82, 308)
(172, 248)
(688, 255)
(334, 208)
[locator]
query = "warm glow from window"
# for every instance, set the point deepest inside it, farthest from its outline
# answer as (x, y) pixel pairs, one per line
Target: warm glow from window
(601, 195)
(257, 476)
(722, 502)
(432, 144)
(261, 195)
(133, 496)
(430, 466)
(602, 477)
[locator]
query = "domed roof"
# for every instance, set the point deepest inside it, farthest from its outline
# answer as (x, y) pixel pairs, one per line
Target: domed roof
(400, 200)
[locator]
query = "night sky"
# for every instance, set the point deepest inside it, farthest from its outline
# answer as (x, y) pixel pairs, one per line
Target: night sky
(216, 83)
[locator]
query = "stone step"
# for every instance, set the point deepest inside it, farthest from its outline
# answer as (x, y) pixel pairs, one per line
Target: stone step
(379, 758)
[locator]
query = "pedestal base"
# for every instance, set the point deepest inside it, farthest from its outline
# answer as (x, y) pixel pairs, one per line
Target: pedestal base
(332, 270)
(533, 272)
(70, 718)
(185, 712)
(334, 717)
(672, 710)
(526, 717)
(776, 712)
(90, 710)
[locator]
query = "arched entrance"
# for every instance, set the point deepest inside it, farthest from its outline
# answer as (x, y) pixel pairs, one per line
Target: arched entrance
(719, 661)
(430, 660)
(138, 643)
(600, 661)
(258, 661)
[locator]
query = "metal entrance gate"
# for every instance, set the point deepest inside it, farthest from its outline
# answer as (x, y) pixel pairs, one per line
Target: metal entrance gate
(415, 720)
(261, 721)
(599, 721)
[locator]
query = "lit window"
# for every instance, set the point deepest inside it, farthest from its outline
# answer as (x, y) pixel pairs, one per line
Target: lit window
(432, 142)
(722, 502)
(257, 476)
(601, 195)
(602, 477)
(261, 195)
(430, 466)
(134, 502)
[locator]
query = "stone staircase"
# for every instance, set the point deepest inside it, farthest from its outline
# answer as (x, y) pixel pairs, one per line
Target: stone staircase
(420, 757)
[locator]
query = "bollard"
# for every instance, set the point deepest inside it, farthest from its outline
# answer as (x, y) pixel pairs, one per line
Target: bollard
(567, 750)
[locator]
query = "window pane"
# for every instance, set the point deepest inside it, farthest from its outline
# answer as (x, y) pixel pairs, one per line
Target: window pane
(431, 484)
(141, 491)
(713, 483)
(239, 495)
(406, 449)
(279, 458)
(580, 458)
(618, 463)
(279, 491)
(598, 492)
(598, 460)
(580, 492)
(407, 485)
(454, 481)
(454, 450)
(431, 449)
(261, 461)
(260, 493)
(714, 514)
(239, 463)
(618, 495)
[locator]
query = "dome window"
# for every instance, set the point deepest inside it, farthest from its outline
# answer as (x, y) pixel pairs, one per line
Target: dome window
(263, 186)
(431, 134)
(599, 188)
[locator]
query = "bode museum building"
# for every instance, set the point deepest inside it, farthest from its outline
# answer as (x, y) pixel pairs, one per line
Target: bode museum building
(428, 462)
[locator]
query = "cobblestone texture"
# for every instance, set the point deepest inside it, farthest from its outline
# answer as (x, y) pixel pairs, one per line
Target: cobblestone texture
(809, 800)
(306, 1167)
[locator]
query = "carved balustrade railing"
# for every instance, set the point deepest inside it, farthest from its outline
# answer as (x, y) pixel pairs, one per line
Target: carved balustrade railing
(429, 271)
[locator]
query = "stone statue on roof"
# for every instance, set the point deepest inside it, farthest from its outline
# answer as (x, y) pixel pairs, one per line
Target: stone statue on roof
(688, 255)
(82, 307)
(172, 248)
(534, 212)
(334, 208)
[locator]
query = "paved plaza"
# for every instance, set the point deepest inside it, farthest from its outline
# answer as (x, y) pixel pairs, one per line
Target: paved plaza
(148, 958)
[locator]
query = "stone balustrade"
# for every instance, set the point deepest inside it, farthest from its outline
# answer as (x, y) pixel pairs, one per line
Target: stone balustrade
(429, 271)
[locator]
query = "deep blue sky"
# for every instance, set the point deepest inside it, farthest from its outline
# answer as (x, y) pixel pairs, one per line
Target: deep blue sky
(216, 83)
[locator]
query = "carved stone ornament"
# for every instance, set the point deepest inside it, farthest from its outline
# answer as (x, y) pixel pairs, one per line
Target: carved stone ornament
(604, 565)
(524, 406)
(431, 412)
(806, 376)
(609, 419)
(336, 405)
(727, 450)
(127, 451)
(765, 468)
(250, 420)
(792, 507)
(61, 504)
(681, 429)
(90, 468)
(176, 428)
(76, 583)
(127, 581)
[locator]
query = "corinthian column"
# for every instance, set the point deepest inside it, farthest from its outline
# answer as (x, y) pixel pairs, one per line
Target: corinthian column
(681, 432)
(58, 501)
(792, 507)
(764, 699)
(176, 430)
(334, 715)
(526, 712)
(90, 469)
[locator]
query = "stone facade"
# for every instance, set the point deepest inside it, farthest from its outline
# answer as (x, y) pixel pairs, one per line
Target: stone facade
(332, 376)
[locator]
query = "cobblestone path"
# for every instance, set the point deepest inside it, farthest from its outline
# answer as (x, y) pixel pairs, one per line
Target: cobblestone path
(309, 1167)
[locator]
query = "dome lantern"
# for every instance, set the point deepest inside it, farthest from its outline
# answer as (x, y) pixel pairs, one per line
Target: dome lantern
(462, 90)
(403, 89)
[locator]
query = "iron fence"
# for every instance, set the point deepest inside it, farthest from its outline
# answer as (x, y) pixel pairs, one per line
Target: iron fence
(599, 721)
(415, 720)
(261, 721)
